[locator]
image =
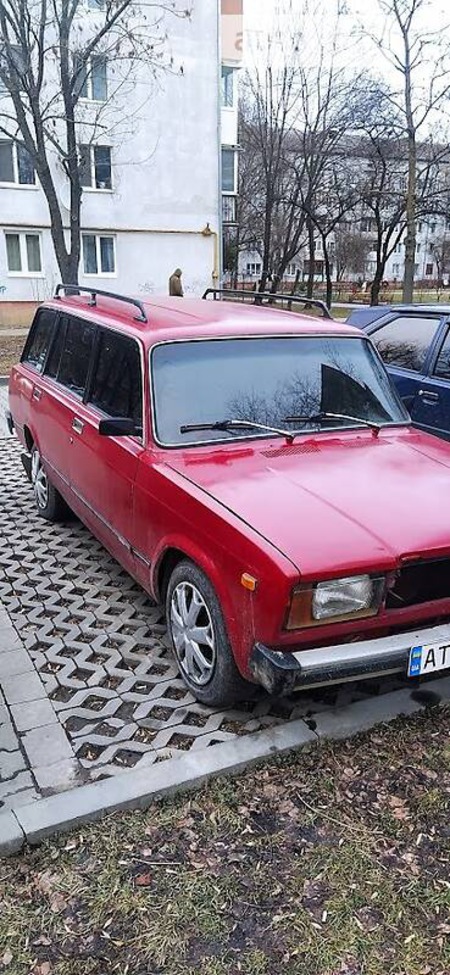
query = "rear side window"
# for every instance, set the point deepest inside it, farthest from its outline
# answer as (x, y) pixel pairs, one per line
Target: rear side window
(442, 367)
(116, 386)
(405, 341)
(39, 339)
(57, 346)
(76, 354)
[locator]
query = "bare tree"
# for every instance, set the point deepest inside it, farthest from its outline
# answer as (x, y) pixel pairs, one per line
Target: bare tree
(351, 250)
(65, 79)
(421, 58)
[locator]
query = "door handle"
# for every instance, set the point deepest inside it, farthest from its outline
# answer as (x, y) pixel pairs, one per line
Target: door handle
(427, 394)
(77, 425)
(37, 393)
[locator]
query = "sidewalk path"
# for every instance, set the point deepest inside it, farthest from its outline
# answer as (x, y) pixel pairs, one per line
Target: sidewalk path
(3, 406)
(12, 332)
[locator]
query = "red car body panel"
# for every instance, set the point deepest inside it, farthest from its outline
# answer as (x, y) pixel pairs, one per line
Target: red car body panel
(325, 506)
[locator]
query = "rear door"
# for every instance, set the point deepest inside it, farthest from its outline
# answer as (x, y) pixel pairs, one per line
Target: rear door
(64, 382)
(27, 393)
(434, 393)
(406, 344)
(103, 469)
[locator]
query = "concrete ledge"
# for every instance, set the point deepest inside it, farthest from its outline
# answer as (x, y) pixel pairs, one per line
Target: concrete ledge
(362, 715)
(137, 789)
(11, 835)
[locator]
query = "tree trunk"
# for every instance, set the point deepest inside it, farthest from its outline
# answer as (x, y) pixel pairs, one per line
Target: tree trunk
(329, 295)
(312, 260)
(375, 286)
(410, 242)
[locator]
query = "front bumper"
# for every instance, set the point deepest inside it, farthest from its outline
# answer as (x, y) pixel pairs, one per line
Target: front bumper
(281, 672)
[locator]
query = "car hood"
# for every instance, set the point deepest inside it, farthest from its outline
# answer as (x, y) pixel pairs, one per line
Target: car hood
(335, 503)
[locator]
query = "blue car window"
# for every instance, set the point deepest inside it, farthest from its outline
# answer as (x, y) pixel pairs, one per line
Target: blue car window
(405, 341)
(442, 367)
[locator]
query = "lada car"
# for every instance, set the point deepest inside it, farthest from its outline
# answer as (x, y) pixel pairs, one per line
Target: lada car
(253, 468)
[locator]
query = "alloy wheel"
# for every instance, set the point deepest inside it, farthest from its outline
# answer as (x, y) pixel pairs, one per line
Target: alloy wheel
(192, 633)
(39, 481)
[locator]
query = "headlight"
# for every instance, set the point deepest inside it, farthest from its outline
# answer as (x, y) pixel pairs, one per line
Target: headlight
(355, 597)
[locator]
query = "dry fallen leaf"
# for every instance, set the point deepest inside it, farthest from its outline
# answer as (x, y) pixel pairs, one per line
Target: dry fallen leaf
(7, 958)
(143, 880)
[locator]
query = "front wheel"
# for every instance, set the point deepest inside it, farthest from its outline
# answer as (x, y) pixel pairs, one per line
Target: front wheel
(200, 640)
(49, 503)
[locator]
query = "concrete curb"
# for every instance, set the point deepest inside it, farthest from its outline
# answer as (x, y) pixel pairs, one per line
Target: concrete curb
(138, 789)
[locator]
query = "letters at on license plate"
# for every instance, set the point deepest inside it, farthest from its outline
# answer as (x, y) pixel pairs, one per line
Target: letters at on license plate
(425, 660)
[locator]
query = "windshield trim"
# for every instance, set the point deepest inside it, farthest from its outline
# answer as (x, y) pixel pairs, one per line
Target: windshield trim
(233, 441)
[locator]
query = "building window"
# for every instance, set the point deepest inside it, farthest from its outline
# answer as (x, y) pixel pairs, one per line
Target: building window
(396, 270)
(419, 227)
(90, 77)
(99, 254)
(95, 167)
(228, 171)
(252, 269)
(398, 248)
(429, 270)
(366, 225)
(227, 87)
(96, 4)
(291, 270)
(229, 209)
(15, 164)
(419, 248)
(19, 63)
(23, 254)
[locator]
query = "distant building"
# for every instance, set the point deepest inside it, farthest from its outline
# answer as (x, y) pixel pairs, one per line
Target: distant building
(152, 200)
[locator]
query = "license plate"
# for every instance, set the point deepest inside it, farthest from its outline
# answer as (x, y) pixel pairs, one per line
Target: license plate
(427, 659)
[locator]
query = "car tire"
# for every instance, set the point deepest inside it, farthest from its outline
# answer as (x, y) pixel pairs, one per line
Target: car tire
(49, 503)
(206, 665)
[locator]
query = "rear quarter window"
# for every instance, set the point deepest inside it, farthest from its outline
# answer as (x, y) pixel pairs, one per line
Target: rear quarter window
(39, 339)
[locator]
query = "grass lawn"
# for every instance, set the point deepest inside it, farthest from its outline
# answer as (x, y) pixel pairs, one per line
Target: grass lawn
(333, 862)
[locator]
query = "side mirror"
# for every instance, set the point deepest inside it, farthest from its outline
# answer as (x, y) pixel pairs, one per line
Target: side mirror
(119, 426)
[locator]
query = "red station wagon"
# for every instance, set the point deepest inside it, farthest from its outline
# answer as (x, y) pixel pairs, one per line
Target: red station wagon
(253, 468)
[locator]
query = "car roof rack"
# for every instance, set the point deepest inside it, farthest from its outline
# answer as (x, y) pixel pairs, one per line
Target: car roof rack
(266, 297)
(93, 292)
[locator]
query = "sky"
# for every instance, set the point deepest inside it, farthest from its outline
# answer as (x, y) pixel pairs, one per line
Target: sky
(259, 15)
(357, 52)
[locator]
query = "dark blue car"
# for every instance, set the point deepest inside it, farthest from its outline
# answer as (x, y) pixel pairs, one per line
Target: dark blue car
(414, 342)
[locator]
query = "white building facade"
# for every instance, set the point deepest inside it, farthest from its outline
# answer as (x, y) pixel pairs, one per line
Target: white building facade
(152, 193)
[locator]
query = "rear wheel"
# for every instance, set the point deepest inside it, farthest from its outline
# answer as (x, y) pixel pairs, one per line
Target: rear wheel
(200, 640)
(49, 503)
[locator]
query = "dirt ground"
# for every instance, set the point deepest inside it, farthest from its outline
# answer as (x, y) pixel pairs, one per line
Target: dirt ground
(10, 351)
(332, 862)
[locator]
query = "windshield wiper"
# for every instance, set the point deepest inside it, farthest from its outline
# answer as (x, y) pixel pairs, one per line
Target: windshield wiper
(225, 425)
(324, 415)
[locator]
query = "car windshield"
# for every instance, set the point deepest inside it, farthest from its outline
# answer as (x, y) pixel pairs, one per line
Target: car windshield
(264, 381)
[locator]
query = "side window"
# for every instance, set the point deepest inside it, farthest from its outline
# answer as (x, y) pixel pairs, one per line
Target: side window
(117, 381)
(405, 341)
(442, 367)
(76, 354)
(57, 346)
(39, 339)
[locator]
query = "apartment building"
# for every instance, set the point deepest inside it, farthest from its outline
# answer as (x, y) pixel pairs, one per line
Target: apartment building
(154, 179)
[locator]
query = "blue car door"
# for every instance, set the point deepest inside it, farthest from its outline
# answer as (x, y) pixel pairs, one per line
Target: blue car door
(431, 409)
(405, 343)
